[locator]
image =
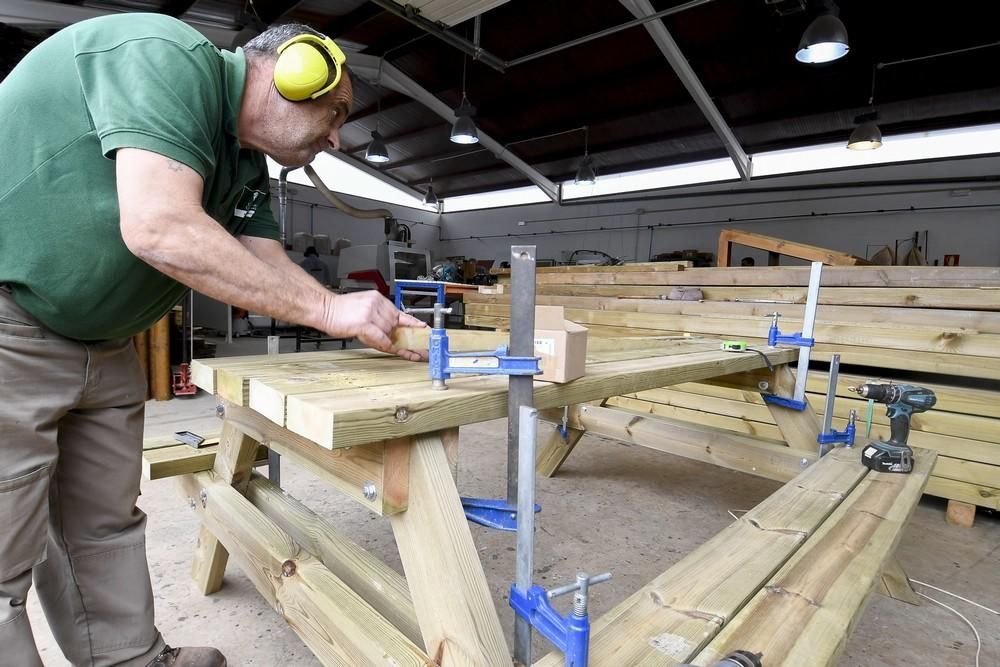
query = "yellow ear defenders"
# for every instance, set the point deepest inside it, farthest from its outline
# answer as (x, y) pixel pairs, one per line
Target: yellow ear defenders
(302, 70)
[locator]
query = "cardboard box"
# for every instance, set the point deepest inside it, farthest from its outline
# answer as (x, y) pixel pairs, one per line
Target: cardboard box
(561, 344)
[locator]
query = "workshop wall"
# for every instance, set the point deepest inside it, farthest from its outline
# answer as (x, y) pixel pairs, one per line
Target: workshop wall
(856, 211)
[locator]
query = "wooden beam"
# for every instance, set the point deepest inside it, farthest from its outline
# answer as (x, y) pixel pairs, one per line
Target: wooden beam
(893, 583)
(786, 276)
(159, 358)
(977, 320)
(727, 237)
(748, 454)
(799, 428)
(552, 453)
(203, 371)
(670, 619)
(805, 612)
(921, 339)
(654, 267)
(233, 465)
(971, 298)
(350, 417)
(454, 608)
(348, 470)
(183, 460)
(960, 514)
(337, 625)
(378, 584)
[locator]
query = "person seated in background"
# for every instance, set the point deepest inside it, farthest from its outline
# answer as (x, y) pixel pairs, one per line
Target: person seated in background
(316, 267)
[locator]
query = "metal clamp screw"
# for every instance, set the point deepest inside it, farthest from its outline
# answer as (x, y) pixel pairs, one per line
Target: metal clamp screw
(369, 490)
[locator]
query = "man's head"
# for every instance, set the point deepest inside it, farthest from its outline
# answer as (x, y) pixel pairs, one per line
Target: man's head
(311, 251)
(291, 132)
(747, 261)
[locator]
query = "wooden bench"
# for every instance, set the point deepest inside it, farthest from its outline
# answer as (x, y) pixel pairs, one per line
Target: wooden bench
(788, 579)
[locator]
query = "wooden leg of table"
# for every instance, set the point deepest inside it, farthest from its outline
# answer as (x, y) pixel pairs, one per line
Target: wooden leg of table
(799, 428)
(234, 464)
(452, 600)
(960, 514)
(895, 584)
(450, 439)
(553, 452)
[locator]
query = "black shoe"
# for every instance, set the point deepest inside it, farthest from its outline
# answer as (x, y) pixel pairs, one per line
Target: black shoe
(189, 656)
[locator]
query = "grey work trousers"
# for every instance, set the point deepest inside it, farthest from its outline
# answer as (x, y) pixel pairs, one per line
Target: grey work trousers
(71, 420)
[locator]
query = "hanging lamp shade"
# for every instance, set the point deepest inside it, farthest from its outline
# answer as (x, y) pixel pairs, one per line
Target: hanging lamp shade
(586, 174)
(865, 137)
(464, 130)
(377, 150)
(823, 41)
(430, 198)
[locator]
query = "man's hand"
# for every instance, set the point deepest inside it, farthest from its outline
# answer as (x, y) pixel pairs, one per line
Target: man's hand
(371, 318)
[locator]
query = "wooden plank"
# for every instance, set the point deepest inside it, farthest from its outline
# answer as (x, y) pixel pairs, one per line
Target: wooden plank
(925, 318)
(799, 428)
(269, 389)
(349, 417)
(183, 460)
(940, 339)
(811, 253)
(671, 618)
(233, 465)
(590, 268)
(981, 495)
(756, 456)
(203, 370)
(454, 608)
(970, 298)
(347, 469)
(834, 276)
(742, 426)
(378, 584)
(808, 609)
(337, 625)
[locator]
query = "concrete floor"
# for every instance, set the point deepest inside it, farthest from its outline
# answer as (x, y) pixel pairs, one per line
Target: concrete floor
(612, 507)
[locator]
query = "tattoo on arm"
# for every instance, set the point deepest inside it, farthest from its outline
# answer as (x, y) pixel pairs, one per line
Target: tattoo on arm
(174, 165)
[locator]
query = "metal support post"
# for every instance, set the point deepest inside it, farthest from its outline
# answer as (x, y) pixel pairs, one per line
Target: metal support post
(522, 344)
(808, 323)
(527, 432)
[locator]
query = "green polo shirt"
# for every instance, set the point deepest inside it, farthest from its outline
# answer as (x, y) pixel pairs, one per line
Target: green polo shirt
(124, 81)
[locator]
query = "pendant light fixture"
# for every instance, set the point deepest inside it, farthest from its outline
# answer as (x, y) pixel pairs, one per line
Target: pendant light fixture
(867, 136)
(464, 130)
(586, 174)
(825, 40)
(377, 151)
(429, 197)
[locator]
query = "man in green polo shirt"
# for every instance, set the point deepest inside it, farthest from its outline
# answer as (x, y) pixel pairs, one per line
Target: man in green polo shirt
(133, 169)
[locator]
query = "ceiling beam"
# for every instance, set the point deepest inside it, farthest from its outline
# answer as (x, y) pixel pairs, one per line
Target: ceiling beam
(393, 78)
(668, 47)
(39, 14)
(376, 173)
(422, 131)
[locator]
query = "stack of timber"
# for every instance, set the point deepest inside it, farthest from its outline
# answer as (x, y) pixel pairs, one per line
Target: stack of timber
(934, 326)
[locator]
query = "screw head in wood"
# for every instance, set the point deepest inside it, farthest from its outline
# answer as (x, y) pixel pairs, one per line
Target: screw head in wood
(402, 414)
(204, 498)
(369, 490)
(191, 503)
(288, 568)
(220, 410)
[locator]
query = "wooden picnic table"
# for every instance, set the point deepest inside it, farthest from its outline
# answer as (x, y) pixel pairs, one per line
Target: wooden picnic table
(370, 425)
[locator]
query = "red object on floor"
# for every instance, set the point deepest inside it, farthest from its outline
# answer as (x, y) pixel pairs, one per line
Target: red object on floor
(182, 382)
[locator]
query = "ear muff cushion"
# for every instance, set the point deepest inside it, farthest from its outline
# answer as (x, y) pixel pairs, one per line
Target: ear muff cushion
(300, 71)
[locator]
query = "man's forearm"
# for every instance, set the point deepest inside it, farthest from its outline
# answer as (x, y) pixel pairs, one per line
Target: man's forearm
(202, 255)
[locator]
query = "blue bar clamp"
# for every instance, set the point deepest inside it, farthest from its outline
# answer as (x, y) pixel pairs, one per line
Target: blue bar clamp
(429, 286)
(570, 633)
(774, 338)
(443, 363)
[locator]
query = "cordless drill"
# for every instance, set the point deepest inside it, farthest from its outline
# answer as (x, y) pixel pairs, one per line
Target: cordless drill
(901, 401)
